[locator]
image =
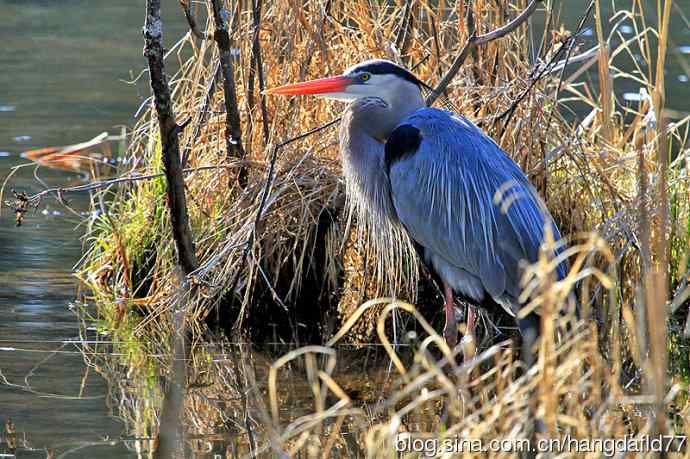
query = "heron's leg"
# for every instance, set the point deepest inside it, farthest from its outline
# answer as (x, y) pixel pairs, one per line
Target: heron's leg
(471, 319)
(450, 331)
(529, 329)
(469, 342)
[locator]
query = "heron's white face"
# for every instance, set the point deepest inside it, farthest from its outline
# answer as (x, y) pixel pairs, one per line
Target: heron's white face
(365, 84)
(355, 84)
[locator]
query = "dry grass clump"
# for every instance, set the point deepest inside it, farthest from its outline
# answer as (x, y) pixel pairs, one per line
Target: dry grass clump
(284, 239)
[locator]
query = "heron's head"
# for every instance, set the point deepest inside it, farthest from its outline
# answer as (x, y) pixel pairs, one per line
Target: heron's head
(373, 78)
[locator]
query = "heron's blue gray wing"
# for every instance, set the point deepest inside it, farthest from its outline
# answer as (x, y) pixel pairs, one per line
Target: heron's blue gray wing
(444, 173)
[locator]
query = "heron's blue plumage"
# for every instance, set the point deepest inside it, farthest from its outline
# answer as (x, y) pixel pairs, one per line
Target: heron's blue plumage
(444, 195)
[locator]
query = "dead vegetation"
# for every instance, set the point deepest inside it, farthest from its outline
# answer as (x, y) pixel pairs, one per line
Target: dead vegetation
(276, 249)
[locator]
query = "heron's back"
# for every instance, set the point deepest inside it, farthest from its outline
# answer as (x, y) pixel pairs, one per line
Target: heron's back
(445, 174)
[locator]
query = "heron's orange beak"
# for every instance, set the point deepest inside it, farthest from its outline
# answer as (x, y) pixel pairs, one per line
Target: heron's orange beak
(320, 86)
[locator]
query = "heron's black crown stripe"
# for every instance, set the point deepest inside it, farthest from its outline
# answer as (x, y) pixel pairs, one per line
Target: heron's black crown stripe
(382, 67)
(402, 143)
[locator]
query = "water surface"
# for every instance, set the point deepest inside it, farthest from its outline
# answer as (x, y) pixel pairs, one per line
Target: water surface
(64, 64)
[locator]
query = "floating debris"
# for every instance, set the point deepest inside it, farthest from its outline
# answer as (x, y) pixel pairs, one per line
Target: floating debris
(685, 49)
(626, 29)
(7, 108)
(22, 138)
(683, 78)
(5, 154)
(78, 157)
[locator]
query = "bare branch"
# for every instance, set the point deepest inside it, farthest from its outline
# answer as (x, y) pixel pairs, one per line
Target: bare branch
(584, 56)
(191, 20)
(256, 70)
(169, 129)
(258, 66)
(476, 40)
(233, 127)
(512, 25)
(448, 77)
(35, 199)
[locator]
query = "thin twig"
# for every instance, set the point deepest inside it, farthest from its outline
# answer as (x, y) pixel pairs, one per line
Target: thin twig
(512, 25)
(564, 64)
(252, 68)
(256, 52)
(264, 199)
(567, 45)
(403, 37)
(202, 114)
(448, 77)
(437, 47)
(583, 56)
(57, 191)
(257, 219)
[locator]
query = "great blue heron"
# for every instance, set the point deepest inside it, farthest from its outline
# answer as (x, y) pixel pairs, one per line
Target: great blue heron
(436, 173)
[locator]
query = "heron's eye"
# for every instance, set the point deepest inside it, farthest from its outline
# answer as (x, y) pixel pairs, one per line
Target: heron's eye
(365, 77)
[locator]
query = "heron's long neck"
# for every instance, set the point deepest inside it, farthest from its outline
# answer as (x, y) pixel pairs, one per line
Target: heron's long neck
(366, 125)
(362, 154)
(362, 138)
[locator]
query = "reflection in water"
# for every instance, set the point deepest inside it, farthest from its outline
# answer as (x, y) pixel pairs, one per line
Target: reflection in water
(228, 406)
